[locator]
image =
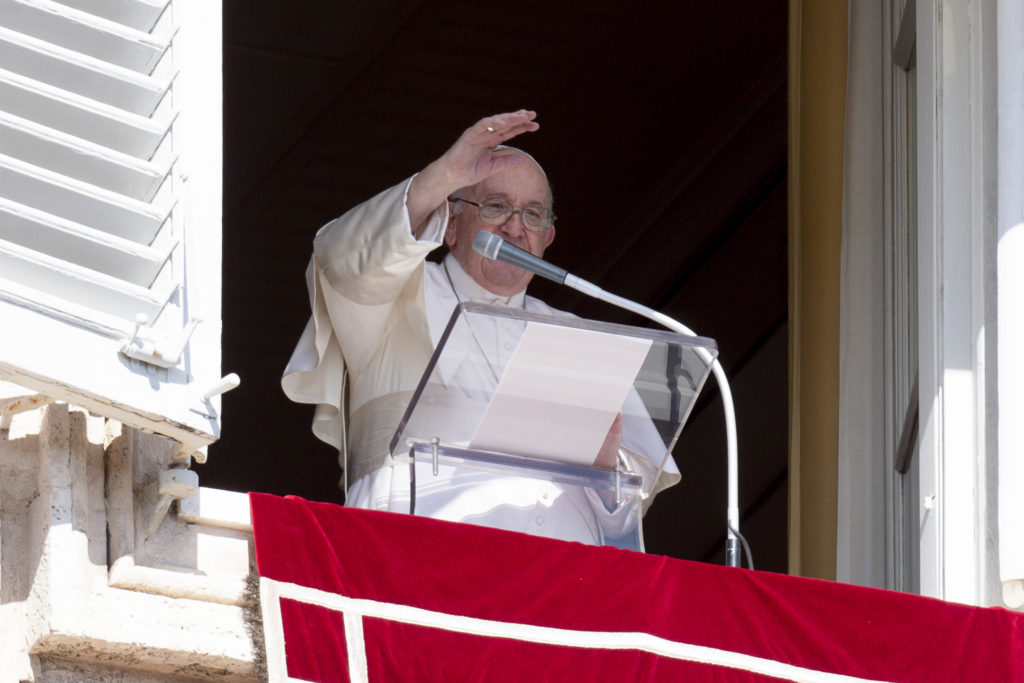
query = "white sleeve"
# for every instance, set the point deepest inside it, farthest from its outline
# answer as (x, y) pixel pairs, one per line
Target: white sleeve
(361, 263)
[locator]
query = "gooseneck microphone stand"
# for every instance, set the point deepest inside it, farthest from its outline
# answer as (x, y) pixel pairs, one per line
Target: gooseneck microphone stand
(494, 247)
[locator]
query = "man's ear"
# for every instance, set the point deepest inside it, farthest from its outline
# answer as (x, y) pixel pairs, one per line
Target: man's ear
(449, 232)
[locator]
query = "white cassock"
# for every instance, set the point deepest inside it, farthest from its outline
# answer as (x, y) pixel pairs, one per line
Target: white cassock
(379, 310)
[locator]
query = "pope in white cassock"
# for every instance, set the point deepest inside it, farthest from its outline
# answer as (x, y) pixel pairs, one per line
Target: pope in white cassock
(379, 309)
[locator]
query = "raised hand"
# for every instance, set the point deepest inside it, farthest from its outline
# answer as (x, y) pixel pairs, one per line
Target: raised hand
(471, 158)
(468, 161)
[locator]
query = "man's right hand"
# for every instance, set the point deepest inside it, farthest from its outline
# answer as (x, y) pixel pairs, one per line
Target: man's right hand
(467, 162)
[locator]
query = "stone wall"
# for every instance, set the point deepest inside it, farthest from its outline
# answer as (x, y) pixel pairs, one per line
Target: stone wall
(94, 584)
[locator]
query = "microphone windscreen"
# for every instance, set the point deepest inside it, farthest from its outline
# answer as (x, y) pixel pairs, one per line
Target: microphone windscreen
(488, 244)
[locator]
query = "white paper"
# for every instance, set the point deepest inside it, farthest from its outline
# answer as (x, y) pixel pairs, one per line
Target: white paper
(560, 393)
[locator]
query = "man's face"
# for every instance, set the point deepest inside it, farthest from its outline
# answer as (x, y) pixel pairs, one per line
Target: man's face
(521, 186)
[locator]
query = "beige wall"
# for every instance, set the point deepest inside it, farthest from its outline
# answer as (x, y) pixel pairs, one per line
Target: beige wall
(817, 64)
(92, 588)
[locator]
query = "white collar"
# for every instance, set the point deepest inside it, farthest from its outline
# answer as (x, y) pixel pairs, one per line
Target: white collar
(468, 289)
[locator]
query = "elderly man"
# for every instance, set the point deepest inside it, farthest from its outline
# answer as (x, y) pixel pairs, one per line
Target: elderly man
(379, 309)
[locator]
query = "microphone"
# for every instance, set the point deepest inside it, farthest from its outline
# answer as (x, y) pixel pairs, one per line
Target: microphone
(494, 247)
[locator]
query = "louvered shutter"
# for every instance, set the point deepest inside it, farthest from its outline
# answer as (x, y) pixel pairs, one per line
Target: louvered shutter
(110, 207)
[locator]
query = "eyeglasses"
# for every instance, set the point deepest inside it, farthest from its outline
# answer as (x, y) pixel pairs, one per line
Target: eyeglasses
(497, 212)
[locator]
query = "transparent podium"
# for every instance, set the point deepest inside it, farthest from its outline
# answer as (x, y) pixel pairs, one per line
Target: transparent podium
(551, 425)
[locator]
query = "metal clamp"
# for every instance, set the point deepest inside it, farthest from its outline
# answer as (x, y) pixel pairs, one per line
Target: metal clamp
(161, 353)
(434, 442)
(175, 484)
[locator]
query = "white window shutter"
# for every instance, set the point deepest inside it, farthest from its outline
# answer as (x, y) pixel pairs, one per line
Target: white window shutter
(110, 208)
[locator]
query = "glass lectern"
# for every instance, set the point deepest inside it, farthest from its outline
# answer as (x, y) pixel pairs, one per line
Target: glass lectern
(519, 410)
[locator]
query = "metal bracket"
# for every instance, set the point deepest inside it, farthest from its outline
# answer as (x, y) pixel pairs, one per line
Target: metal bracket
(162, 353)
(175, 484)
(224, 384)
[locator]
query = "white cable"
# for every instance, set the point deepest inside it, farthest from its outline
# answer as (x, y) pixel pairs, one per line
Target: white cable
(733, 507)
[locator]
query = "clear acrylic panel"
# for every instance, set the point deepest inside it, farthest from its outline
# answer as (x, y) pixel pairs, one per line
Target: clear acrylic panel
(540, 394)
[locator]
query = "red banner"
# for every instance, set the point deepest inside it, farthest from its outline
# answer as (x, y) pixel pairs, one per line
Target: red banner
(360, 595)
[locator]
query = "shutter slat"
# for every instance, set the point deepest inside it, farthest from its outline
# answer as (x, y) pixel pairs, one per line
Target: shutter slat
(81, 116)
(69, 70)
(88, 238)
(139, 14)
(72, 283)
(79, 159)
(80, 202)
(76, 243)
(84, 33)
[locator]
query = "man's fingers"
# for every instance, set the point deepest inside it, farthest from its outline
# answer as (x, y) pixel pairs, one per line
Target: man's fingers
(468, 161)
(509, 120)
(471, 158)
(528, 127)
(500, 127)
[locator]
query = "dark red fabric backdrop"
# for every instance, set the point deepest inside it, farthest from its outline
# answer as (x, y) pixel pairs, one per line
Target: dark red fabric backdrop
(414, 599)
